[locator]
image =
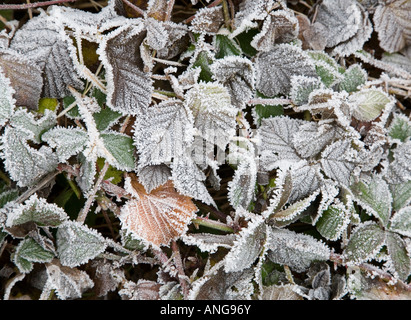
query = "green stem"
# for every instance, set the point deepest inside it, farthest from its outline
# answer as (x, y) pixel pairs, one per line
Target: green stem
(216, 225)
(4, 177)
(74, 187)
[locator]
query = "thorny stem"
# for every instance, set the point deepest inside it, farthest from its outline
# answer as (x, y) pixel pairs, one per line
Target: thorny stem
(216, 225)
(32, 5)
(180, 269)
(170, 6)
(40, 185)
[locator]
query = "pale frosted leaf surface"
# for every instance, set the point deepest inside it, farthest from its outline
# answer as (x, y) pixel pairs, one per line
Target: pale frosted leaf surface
(338, 161)
(401, 194)
(68, 283)
(28, 121)
(399, 260)
(163, 133)
(247, 246)
(280, 292)
(120, 146)
(375, 197)
(369, 103)
(77, 243)
(353, 77)
(208, 242)
(189, 180)
(401, 222)
(7, 102)
(25, 78)
(153, 176)
(36, 210)
(66, 141)
(364, 243)
(399, 170)
(158, 217)
(295, 250)
(400, 128)
(25, 164)
(29, 251)
(157, 35)
(43, 41)
(277, 134)
(214, 115)
(333, 222)
(275, 68)
(306, 179)
(85, 179)
(281, 192)
(301, 87)
(397, 59)
(341, 19)
(313, 137)
(279, 27)
(129, 88)
(208, 20)
(237, 75)
(392, 22)
(326, 68)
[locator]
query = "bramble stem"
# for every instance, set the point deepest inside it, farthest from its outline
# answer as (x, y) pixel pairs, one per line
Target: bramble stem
(216, 225)
(32, 5)
(134, 7)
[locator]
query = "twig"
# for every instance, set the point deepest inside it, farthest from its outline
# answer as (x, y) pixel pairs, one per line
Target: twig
(180, 269)
(134, 7)
(37, 187)
(170, 6)
(32, 5)
(216, 225)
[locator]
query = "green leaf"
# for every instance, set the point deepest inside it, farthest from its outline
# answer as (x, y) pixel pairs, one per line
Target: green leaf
(204, 61)
(106, 118)
(121, 148)
(29, 251)
(77, 244)
(375, 197)
(332, 222)
(112, 173)
(326, 68)
(401, 222)
(7, 196)
(401, 195)
(36, 210)
(365, 242)
(73, 112)
(400, 127)
(244, 40)
(369, 103)
(398, 255)
(225, 47)
(47, 103)
(354, 76)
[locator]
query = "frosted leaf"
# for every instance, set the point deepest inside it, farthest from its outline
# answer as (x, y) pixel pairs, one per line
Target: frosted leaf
(312, 137)
(68, 283)
(375, 197)
(207, 242)
(306, 178)
(106, 118)
(391, 21)
(28, 121)
(353, 77)
(401, 194)
(25, 78)
(214, 116)
(293, 212)
(329, 193)
(6, 196)
(120, 146)
(399, 170)
(399, 259)
(43, 41)
(350, 46)
(338, 161)
(66, 141)
(247, 247)
(25, 164)
(157, 35)
(153, 176)
(281, 192)
(341, 19)
(401, 221)
(36, 210)
(163, 133)
(369, 103)
(280, 292)
(189, 180)
(77, 243)
(365, 242)
(301, 87)
(275, 68)
(7, 102)
(333, 222)
(295, 250)
(208, 20)
(237, 75)
(29, 251)
(177, 42)
(277, 135)
(397, 60)
(129, 88)
(400, 128)
(158, 217)
(85, 179)
(279, 27)
(326, 68)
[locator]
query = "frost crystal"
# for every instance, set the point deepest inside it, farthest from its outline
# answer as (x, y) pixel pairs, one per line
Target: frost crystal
(153, 176)
(7, 102)
(275, 68)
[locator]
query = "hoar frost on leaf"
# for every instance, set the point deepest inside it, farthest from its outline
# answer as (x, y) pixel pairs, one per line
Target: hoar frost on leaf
(7, 102)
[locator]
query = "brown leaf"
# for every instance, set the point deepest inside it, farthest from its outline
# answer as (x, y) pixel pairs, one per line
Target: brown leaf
(157, 217)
